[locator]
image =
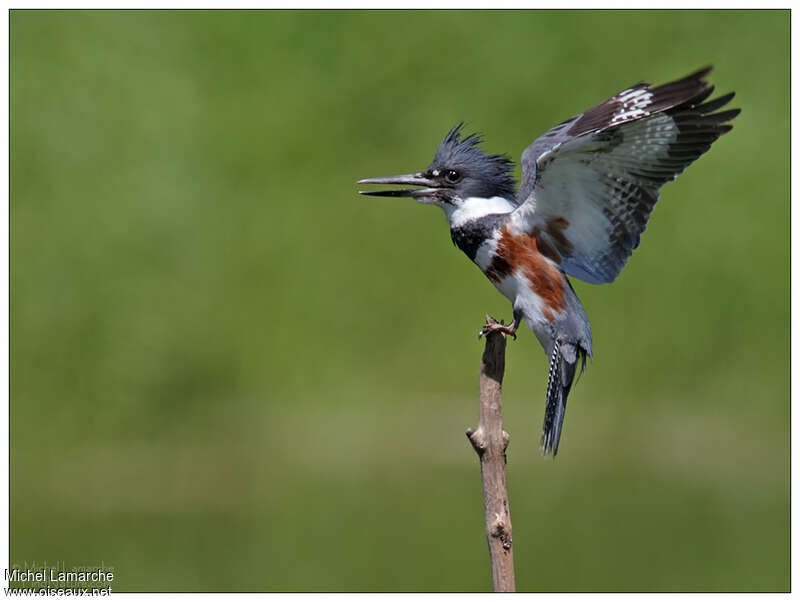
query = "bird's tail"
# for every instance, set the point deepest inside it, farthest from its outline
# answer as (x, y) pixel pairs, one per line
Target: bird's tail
(559, 382)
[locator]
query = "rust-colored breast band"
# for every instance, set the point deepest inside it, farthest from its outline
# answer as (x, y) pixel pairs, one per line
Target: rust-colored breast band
(521, 253)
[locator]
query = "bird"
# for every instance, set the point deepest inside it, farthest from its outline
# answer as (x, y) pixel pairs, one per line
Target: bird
(587, 189)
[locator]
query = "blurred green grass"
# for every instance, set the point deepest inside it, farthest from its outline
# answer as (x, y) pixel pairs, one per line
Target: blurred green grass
(230, 372)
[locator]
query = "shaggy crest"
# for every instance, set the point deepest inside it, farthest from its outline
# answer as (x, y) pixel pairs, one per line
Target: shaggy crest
(484, 175)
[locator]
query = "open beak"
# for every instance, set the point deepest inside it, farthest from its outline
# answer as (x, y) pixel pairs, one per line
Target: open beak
(409, 179)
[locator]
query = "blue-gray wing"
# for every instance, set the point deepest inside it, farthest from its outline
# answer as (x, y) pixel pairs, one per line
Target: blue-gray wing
(590, 183)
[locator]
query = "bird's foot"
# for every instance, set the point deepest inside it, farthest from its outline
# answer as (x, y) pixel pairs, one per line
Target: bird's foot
(493, 325)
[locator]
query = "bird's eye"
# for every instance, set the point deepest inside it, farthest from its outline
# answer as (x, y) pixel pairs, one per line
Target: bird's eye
(451, 175)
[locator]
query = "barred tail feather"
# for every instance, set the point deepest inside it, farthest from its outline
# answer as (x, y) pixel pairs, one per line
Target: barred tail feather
(559, 383)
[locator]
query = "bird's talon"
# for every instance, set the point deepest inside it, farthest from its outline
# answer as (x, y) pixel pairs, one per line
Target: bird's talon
(494, 326)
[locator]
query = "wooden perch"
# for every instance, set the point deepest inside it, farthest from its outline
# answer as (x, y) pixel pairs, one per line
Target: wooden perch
(490, 442)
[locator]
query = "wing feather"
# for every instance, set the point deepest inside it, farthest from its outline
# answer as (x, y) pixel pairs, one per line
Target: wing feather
(598, 174)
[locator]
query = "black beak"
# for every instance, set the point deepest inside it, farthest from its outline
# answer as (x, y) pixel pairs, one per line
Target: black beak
(416, 179)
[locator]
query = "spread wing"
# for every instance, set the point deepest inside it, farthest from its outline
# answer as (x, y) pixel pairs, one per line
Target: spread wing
(590, 183)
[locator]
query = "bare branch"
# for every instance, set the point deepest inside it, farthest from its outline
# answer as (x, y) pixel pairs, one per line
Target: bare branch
(490, 442)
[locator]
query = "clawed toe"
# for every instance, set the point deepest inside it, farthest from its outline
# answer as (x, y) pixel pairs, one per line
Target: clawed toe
(493, 325)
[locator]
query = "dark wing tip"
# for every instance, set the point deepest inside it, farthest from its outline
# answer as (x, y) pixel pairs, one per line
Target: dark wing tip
(642, 100)
(725, 115)
(713, 105)
(698, 75)
(703, 71)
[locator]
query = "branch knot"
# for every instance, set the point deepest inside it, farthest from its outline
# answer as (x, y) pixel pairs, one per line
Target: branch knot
(478, 440)
(499, 531)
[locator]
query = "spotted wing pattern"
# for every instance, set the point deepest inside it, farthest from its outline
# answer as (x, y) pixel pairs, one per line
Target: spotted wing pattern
(590, 183)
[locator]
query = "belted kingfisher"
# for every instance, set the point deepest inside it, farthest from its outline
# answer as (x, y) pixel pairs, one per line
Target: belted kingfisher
(588, 187)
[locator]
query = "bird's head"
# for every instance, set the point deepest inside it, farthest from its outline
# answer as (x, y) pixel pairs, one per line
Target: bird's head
(460, 170)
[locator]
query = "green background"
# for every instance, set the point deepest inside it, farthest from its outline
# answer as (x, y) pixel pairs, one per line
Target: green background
(231, 372)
